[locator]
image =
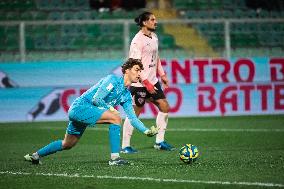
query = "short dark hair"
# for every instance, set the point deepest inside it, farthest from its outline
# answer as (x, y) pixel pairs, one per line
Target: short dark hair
(142, 17)
(130, 63)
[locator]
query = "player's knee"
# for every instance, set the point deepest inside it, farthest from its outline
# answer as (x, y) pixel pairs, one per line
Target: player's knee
(165, 107)
(68, 145)
(116, 120)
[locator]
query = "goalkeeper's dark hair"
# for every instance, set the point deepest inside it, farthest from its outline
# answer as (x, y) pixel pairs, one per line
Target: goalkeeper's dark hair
(142, 17)
(130, 63)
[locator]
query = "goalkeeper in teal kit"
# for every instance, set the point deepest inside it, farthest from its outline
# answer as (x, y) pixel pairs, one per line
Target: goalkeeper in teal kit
(96, 106)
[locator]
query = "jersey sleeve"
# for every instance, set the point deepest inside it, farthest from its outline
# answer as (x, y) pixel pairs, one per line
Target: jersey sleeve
(129, 111)
(104, 89)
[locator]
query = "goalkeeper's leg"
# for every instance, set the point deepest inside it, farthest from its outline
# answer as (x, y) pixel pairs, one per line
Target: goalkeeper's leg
(53, 147)
(70, 140)
(114, 136)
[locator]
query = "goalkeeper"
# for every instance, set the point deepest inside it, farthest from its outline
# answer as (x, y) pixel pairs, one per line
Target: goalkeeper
(95, 106)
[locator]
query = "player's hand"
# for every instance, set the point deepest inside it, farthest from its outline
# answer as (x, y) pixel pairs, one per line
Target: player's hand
(113, 110)
(152, 131)
(150, 87)
(165, 81)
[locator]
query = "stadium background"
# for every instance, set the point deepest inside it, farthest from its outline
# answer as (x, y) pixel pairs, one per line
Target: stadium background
(228, 50)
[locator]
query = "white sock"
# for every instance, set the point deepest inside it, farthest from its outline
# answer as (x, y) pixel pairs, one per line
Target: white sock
(127, 133)
(162, 122)
(113, 156)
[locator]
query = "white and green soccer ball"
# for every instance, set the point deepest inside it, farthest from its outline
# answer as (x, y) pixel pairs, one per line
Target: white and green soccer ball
(188, 153)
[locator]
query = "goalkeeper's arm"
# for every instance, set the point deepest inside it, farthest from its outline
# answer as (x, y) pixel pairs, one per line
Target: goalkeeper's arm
(135, 122)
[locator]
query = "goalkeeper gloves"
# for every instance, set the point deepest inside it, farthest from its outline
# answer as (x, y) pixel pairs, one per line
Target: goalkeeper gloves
(149, 86)
(152, 131)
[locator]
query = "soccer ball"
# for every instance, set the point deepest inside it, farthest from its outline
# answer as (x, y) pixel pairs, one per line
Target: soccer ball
(188, 153)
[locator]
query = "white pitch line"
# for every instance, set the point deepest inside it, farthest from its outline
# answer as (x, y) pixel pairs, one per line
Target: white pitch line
(210, 130)
(188, 129)
(77, 175)
(228, 130)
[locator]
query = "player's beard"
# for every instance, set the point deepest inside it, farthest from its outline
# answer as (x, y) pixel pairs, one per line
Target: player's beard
(152, 29)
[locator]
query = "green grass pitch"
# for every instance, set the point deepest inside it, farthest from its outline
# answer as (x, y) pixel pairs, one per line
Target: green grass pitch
(235, 152)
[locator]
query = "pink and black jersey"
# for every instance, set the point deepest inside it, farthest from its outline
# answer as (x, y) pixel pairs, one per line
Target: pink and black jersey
(146, 48)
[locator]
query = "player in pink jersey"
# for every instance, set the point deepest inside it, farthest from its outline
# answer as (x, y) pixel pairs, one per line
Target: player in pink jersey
(144, 46)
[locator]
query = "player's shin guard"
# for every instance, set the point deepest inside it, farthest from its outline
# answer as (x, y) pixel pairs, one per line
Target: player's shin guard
(127, 133)
(162, 122)
(114, 139)
(51, 148)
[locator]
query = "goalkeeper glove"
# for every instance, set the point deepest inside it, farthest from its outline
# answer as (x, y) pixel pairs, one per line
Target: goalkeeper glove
(152, 131)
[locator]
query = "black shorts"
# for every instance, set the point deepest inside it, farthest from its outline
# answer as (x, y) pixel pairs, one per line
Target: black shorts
(140, 94)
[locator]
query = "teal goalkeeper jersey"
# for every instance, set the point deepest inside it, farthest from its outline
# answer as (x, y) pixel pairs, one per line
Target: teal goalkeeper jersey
(110, 91)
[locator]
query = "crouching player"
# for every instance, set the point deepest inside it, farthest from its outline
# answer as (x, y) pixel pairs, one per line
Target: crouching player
(95, 106)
